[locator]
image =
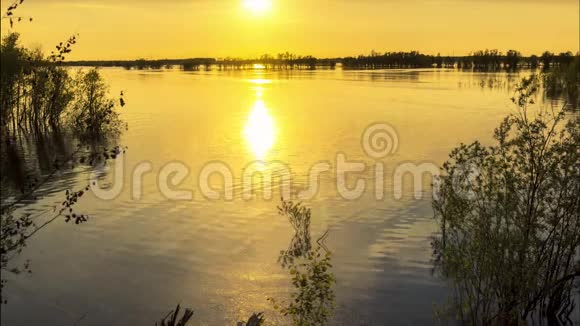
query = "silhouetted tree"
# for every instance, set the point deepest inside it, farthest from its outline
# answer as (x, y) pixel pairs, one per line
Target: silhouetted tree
(546, 59)
(508, 213)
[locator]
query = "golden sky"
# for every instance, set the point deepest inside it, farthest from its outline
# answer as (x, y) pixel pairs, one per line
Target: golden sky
(130, 29)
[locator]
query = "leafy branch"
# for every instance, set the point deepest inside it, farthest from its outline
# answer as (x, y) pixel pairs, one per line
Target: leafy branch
(10, 14)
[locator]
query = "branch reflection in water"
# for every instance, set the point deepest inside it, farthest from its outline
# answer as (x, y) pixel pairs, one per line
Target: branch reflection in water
(313, 299)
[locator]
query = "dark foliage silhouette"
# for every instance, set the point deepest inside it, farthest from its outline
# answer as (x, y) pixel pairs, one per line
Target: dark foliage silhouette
(509, 219)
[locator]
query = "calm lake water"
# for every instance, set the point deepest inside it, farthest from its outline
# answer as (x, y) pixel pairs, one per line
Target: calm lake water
(137, 258)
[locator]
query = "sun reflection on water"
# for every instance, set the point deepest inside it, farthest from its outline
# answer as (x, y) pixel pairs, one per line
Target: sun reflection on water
(260, 130)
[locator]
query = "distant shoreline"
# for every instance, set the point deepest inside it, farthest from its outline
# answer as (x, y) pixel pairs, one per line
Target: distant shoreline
(487, 59)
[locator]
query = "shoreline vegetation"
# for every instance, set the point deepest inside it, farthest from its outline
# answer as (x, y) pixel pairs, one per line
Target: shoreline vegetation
(38, 95)
(488, 60)
(44, 105)
(509, 229)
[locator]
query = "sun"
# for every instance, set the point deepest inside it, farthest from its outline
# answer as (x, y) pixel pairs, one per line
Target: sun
(257, 6)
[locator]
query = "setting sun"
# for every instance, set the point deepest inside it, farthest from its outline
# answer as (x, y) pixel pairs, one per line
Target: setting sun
(257, 6)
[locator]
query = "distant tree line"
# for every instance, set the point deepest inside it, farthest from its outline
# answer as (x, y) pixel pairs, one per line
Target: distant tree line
(478, 60)
(281, 61)
(512, 59)
(376, 60)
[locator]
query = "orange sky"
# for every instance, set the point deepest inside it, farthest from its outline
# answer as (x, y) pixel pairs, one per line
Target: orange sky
(130, 29)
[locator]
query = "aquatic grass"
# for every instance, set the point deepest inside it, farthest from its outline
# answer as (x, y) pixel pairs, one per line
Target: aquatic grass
(173, 318)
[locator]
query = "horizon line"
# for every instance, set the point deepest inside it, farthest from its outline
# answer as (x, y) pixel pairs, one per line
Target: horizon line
(274, 56)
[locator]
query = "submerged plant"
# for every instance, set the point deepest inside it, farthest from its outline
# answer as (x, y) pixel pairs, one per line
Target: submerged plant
(564, 81)
(509, 218)
(300, 245)
(312, 301)
(174, 319)
(17, 226)
(38, 95)
(93, 113)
